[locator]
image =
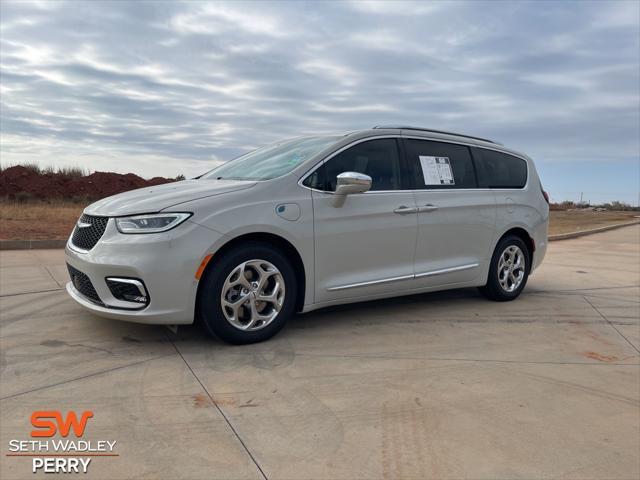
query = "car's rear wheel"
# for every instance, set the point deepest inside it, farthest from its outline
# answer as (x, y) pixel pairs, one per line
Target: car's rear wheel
(247, 294)
(509, 270)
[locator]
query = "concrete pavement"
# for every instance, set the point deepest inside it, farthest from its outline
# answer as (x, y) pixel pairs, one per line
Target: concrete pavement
(444, 385)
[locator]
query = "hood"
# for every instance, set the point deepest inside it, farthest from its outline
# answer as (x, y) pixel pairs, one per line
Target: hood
(154, 199)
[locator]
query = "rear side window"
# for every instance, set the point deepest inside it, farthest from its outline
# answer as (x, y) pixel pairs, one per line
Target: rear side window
(377, 158)
(440, 165)
(500, 170)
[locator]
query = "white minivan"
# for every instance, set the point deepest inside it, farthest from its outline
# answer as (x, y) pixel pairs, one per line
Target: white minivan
(312, 222)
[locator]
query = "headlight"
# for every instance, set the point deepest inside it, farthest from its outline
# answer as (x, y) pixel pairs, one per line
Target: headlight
(152, 223)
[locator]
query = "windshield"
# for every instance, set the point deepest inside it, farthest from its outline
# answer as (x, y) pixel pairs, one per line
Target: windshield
(271, 161)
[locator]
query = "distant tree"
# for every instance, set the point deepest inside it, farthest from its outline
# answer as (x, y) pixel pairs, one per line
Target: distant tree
(619, 206)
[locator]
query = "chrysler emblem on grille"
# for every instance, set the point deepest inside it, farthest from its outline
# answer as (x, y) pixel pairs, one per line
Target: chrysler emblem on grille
(80, 224)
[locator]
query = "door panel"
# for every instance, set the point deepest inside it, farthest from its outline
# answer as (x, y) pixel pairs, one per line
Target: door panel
(456, 219)
(363, 241)
(455, 239)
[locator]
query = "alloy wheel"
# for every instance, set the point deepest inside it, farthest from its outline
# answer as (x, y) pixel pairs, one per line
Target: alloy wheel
(252, 295)
(511, 268)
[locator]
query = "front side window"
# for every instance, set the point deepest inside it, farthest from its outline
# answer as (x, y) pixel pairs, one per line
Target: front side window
(440, 165)
(500, 170)
(271, 161)
(377, 158)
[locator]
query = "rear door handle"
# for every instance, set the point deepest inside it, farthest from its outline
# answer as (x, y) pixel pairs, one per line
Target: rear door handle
(404, 210)
(428, 208)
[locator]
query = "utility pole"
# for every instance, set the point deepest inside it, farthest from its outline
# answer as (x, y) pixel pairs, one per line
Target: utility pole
(581, 197)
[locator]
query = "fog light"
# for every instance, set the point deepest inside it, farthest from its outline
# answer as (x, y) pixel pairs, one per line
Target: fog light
(128, 290)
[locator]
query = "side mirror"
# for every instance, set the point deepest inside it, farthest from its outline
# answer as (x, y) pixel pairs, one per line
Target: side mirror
(352, 182)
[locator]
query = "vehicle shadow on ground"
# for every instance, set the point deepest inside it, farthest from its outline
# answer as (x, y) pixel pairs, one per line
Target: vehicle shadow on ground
(350, 315)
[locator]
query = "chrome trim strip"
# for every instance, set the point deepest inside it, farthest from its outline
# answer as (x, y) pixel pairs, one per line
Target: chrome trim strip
(73, 248)
(432, 130)
(372, 282)
(405, 277)
(496, 147)
(446, 270)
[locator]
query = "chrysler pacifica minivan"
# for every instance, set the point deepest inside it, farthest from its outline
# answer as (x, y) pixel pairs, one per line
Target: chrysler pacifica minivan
(312, 222)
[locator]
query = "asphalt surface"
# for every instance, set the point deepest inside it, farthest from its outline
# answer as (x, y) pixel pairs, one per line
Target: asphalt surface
(444, 385)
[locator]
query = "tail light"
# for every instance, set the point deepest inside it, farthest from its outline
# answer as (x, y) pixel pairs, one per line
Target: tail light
(544, 194)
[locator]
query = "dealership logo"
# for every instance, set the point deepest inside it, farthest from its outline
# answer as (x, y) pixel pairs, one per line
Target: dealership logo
(47, 428)
(65, 454)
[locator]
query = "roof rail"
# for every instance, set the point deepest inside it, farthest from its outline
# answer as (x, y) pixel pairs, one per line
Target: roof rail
(406, 127)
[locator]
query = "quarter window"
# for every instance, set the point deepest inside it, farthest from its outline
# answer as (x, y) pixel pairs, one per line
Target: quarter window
(500, 170)
(377, 158)
(440, 165)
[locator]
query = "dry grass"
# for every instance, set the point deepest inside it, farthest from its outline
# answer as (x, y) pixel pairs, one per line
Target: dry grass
(38, 220)
(69, 172)
(579, 220)
(56, 219)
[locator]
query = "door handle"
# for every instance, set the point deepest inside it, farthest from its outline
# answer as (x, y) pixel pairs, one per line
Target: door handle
(404, 210)
(428, 208)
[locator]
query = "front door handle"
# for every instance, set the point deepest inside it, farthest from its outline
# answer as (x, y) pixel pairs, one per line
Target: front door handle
(404, 210)
(428, 208)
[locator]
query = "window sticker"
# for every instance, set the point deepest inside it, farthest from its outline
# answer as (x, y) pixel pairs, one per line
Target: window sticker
(436, 170)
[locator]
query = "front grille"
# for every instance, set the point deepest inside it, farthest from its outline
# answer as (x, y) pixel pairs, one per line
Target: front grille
(88, 231)
(83, 285)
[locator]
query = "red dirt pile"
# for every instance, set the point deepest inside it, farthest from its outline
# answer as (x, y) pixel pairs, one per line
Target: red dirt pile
(24, 183)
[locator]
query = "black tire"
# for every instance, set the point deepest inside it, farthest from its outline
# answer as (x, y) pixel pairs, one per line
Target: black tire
(493, 290)
(209, 308)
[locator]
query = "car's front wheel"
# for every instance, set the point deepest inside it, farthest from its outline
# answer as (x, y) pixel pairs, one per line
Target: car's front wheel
(247, 294)
(509, 270)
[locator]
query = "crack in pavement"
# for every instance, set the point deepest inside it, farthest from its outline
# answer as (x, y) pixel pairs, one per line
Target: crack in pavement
(411, 356)
(612, 325)
(29, 293)
(52, 277)
(246, 449)
(102, 372)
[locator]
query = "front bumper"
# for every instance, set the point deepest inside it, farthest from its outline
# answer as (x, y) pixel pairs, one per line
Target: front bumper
(165, 262)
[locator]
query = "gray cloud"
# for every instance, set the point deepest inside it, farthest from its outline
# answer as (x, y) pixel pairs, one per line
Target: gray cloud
(168, 87)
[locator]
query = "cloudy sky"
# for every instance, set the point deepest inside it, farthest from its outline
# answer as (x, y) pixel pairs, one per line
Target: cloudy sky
(163, 88)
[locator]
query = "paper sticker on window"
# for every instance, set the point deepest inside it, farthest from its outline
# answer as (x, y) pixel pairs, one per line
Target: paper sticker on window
(436, 170)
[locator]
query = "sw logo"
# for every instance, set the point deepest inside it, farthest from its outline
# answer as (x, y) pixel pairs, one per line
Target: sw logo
(44, 422)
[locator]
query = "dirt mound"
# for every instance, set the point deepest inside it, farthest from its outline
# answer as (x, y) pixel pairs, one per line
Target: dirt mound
(23, 183)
